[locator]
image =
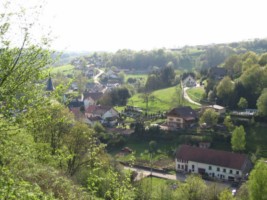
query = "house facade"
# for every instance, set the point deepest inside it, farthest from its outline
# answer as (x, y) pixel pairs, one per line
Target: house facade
(189, 81)
(181, 117)
(213, 163)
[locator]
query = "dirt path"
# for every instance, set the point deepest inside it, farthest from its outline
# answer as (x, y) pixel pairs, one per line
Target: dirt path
(188, 98)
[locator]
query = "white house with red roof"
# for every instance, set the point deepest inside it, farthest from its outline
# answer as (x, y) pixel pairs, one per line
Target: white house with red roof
(214, 163)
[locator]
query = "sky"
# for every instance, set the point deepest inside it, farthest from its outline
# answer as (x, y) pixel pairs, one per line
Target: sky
(109, 25)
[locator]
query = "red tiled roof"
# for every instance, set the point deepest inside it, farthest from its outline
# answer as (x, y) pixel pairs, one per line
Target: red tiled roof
(95, 109)
(211, 156)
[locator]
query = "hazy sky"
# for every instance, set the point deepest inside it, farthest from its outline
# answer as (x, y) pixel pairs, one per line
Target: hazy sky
(146, 24)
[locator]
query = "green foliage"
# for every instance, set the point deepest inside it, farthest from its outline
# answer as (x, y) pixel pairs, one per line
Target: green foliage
(12, 188)
(210, 117)
(65, 69)
(225, 90)
(262, 103)
(243, 103)
(226, 195)
(160, 79)
(196, 93)
(81, 146)
(257, 183)
(228, 123)
(98, 128)
(238, 139)
(116, 97)
(194, 188)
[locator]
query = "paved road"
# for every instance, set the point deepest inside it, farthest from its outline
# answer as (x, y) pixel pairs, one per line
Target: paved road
(97, 76)
(142, 173)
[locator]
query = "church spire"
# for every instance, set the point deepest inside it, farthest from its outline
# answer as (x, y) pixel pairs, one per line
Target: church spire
(50, 86)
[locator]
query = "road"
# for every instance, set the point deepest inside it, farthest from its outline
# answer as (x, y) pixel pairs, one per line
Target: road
(97, 76)
(188, 98)
(142, 173)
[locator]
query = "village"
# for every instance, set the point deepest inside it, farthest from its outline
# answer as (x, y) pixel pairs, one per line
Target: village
(228, 169)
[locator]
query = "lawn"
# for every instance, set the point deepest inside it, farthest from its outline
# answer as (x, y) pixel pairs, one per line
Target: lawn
(195, 93)
(159, 100)
(158, 187)
(136, 76)
(63, 69)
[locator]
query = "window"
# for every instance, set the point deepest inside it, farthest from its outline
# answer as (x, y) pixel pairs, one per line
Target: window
(230, 171)
(237, 172)
(210, 168)
(218, 169)
(182, 167)
(193, 166)
(224, 170)
(178, 166)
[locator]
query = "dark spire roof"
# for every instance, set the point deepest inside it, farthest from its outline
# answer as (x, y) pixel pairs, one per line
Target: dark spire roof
(50, 86)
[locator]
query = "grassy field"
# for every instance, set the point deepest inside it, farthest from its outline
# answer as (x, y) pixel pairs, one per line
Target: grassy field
(137, 76)
(159, 100)
(159, 187)
(195, 93)
(64, 69)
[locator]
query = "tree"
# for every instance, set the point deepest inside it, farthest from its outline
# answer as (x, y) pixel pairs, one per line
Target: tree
(257, 183)
(210, 117)
(22, 62)
(226, 195)
(238, 139)
(263, 59)
(262, 103)
(228, 123)
(81, 81)
(49, 124)
(243, 103)
(225, 90)
(194, 188)
(82, 147)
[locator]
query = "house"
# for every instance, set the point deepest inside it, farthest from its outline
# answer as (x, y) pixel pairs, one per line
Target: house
(217, 73)
(93, 120)
(108, 114)
(181, 117)
(217, 108)
(91, 98)
(213, 163)
(188, 81)
(111, 74)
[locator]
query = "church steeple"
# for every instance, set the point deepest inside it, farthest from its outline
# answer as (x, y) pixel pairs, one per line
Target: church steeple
(50, 86)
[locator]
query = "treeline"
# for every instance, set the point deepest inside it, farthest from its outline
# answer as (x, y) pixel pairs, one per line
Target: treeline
(188, 57)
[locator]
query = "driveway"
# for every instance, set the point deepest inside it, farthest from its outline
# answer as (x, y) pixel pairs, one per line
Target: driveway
(142, 173)
(188, 98)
